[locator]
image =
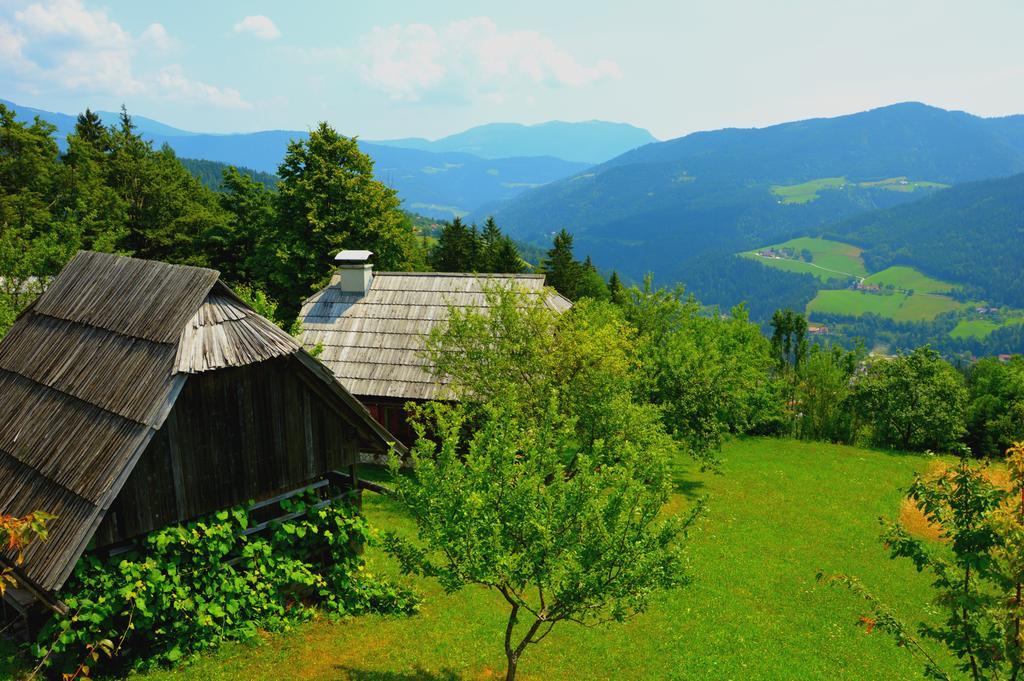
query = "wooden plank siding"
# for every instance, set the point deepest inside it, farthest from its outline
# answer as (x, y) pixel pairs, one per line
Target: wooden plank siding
(239, 435)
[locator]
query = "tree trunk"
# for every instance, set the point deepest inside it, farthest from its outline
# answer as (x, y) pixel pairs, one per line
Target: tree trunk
(510, 672)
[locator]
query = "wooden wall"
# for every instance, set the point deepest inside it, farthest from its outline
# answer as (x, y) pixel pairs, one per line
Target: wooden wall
(393, 415)
(233, 435)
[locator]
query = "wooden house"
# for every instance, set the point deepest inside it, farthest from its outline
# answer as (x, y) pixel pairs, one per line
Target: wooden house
(135, 395)
(371, 327)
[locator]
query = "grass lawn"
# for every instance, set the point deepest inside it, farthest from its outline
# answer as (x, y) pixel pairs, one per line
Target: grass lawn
(778, 512)
(896, 305)
(909, 279)
(829, 259)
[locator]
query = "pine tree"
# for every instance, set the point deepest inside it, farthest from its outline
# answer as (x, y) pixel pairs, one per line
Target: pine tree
(506, 258)
(455, 249)
(616, 291)
(89, 127)
(562, 271)
(591, 284)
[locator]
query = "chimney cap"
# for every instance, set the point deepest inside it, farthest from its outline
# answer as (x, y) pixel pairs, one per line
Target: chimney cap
(353, 256)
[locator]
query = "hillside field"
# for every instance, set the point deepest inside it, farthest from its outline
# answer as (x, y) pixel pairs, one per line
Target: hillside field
(829, 259)
(805, 192)
(778, 512)
(909, 279)
(895, 305)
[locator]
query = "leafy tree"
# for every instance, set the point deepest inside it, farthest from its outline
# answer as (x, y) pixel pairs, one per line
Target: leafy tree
(789, 338)
(913, 402)
(977, 574)
(823, 393)
(547, 483)
(234, 243)
(34, 242)
(708, 374)
(328, 200)
(995, 413)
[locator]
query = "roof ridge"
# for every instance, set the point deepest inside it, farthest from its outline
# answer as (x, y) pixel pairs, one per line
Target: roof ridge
(487, 275)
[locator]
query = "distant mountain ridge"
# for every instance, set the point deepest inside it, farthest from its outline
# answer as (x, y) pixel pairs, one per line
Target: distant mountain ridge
(663, 204)
(584, 142)
(437, 184)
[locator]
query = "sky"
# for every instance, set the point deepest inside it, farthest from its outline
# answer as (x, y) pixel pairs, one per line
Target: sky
(415, 69)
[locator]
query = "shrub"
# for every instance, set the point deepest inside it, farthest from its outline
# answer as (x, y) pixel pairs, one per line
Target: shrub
(188, 588)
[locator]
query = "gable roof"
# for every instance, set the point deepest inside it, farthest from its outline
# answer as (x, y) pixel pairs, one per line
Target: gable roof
(89, 373)
(373, 342)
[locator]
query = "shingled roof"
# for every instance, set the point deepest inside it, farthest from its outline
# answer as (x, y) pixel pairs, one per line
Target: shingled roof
(373, 342)
(90, 372)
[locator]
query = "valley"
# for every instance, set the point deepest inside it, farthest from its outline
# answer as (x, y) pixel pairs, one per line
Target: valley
(899, 293)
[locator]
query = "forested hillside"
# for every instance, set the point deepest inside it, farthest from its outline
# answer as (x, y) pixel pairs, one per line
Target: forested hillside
(657, 207)
(972, 233)
(211, 173)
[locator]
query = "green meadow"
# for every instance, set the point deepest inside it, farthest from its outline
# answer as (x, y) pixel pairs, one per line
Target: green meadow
(893, 304)
(777, 513)
(806, 192)
(829, 259)
(909, 279)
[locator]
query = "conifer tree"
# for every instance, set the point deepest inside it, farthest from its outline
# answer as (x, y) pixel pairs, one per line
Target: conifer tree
(562, 271)
(616, 290)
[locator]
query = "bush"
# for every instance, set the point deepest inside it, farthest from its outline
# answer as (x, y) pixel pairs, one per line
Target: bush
(188, 588)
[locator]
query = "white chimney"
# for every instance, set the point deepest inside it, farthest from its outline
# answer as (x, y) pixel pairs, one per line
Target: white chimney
(355, 271)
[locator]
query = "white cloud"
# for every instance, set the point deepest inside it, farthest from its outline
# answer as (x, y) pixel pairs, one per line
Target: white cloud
(470, 57)
(73, 47)
(260, 26)
(157, 36)
(172, 84)
(65, 45)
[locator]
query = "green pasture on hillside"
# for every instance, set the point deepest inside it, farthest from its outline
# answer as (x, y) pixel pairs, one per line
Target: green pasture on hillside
(809, 191)
(909, 279)
(893, 304)
(829, 259)
(778, 512)
(806, 191)
(973, 328)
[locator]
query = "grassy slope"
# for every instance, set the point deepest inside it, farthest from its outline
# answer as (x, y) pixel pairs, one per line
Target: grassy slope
(898, 306)
(779, 511)
(831, 258)
(909, 279)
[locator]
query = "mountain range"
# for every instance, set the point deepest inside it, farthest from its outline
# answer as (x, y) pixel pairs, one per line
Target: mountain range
(657, 207)
(585, 142)
(451, 176)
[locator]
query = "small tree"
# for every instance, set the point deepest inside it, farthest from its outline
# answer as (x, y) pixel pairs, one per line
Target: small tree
(913, 402)
(978, 577)
(547, 482)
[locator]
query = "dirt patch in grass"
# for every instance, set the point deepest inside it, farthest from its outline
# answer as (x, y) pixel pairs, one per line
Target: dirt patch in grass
(914, 521)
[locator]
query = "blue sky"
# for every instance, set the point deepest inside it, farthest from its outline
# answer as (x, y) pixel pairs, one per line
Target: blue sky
(400, 69)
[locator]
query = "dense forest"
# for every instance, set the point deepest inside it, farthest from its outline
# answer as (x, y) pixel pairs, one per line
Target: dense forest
(211, 173)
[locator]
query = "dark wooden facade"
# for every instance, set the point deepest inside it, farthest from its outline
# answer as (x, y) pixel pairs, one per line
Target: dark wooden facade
(236, 435)
(393, 415)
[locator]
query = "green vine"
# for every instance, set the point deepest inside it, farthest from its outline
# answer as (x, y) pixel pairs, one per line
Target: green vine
(188, 588)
